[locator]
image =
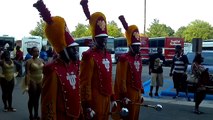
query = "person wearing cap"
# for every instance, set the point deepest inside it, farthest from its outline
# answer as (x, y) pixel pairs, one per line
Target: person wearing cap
(96, 70)
(128, 80)
(60, 96)
(156, 62)
(178, 71)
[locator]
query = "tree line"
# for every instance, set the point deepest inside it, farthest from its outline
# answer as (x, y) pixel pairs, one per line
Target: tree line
(195, 29)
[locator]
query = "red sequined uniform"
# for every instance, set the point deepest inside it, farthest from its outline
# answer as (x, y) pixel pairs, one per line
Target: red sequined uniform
(128, 82)
(96, 82)
(61, 91)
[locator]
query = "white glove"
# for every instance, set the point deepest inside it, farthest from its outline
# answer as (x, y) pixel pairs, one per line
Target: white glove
(90, 113)
(25, 90)
(124, 112)
(126, 100)
(114, 104)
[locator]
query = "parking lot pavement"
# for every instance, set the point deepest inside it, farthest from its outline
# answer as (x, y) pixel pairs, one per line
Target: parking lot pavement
(175, 110)
(178, 101)
(167, 92)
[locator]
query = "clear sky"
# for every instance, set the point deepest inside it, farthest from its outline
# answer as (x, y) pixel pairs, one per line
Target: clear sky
(18, 17)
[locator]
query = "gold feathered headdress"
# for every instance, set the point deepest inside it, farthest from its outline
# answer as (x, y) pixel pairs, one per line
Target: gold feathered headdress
(97, 21)
(56, 29)
(132, 32)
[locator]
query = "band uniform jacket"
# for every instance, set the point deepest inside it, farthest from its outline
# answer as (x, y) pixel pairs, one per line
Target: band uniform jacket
(60, 96)
(96, 82)
(128, 82)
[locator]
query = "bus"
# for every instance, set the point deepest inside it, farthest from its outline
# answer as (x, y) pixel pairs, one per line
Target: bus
(86, 42)
(7, 40)
(149, 46)
(120, 46)
(167, 44)
(207, 44)
(187, 48)
(120, 42)
(144, 50)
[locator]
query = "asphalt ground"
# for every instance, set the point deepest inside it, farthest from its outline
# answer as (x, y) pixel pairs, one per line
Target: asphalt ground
(173, 109)
(179, 109)
(167, 90)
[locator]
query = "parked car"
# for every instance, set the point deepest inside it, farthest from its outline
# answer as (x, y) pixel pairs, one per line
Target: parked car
(208, 60)
(119, 51)
(208, 63)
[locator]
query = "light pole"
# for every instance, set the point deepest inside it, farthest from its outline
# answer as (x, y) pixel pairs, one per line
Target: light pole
(144, 29)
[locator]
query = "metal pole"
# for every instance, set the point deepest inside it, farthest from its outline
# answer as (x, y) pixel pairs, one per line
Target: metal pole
(144, 31)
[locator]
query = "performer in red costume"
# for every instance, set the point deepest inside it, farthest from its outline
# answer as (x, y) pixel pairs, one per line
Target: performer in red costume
(128, 81)
(96, 70)
(60, 96)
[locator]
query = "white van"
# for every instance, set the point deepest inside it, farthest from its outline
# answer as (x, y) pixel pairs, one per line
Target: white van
(86, 42)
(29, 42)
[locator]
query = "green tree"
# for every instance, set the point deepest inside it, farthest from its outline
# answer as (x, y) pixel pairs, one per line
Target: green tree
(81, 30)
(39, 29)
(113, 29)
(170, 31)
(180, 32)
(198, 29)
(159, 30)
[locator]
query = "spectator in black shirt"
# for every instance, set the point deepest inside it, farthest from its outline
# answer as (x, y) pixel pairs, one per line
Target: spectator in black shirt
(156, 71)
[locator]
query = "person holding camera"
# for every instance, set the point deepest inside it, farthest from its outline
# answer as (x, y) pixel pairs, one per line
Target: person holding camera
(156, 71)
